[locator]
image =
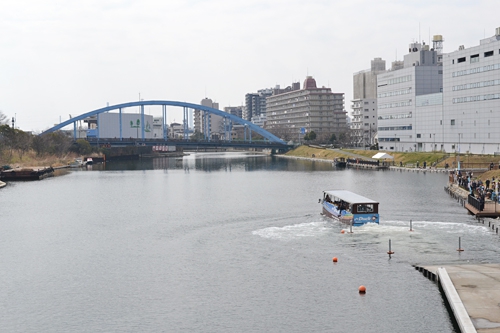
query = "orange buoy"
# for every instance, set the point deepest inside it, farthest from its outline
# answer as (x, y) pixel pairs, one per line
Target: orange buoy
(362, 289)
(342, 231)
(335, 259)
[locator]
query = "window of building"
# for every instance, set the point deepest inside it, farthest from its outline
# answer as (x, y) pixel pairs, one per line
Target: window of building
(418, 136)
(488, 54)
(474, 58)
(441, 122)
(459, 60)
(453, 61)
(453, 122)
(474, 123)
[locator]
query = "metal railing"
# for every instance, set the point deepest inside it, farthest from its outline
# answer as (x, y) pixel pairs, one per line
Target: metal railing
(475, 202)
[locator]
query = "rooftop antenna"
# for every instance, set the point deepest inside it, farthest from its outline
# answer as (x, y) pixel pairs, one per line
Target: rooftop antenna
(419, 40)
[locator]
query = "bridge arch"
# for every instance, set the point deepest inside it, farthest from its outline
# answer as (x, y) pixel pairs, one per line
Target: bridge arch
(267, 135)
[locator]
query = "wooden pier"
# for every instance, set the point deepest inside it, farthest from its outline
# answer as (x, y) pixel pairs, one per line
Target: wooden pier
(491, 209)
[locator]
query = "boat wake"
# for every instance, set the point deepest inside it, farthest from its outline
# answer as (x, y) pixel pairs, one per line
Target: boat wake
(295, 231)
(449, 227)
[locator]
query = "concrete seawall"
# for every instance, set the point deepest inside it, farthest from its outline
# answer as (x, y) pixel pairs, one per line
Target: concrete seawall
(472, 292)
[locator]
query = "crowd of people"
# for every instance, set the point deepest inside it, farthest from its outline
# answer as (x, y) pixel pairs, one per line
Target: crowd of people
(487, 190)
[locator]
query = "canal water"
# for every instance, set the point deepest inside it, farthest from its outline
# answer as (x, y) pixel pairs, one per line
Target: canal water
(227, 243)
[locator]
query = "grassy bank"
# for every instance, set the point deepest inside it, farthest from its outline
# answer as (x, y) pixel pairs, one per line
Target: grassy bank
(30, 159)
(409, 159)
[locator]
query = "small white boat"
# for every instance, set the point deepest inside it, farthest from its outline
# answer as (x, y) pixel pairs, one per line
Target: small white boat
(77, 163)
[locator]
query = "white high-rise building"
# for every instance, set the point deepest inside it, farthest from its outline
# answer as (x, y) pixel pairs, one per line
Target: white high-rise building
(400, 93)
(364, 104)
(471, 98)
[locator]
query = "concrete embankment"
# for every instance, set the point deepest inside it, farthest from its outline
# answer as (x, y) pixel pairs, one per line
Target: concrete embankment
(393, 168)
(472, 293)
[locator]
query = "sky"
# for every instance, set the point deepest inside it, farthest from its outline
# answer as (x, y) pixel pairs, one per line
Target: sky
(61, 58)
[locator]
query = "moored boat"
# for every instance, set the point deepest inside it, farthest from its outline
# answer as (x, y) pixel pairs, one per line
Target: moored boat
(340, 162)
(77, 163)
(26, 173)
(349, 208)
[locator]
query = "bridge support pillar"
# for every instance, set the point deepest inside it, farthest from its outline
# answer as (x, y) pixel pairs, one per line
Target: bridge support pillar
(120, 119)
(142, 122)
(164, 122)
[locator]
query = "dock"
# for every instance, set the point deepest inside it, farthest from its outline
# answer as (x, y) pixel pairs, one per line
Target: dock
(491, 209)
(27, 173)
(359, 163)
(472, 292)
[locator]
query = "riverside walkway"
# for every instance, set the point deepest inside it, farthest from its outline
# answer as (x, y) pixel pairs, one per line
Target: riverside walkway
(473, 293)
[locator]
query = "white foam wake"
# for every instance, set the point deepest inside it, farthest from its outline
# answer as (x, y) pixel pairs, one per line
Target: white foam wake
(295, 231)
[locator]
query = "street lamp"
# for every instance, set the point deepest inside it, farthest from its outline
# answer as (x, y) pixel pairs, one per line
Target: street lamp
(458, 155)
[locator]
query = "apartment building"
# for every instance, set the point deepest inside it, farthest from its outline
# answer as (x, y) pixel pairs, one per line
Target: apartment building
(304, 110)
(364, 104)
(255, 104)
(210, 125)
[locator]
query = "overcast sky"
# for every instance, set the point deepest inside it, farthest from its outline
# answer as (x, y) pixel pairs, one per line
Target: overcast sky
(60, 57)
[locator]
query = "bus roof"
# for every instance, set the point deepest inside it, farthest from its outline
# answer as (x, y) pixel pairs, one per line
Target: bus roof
(349, 196)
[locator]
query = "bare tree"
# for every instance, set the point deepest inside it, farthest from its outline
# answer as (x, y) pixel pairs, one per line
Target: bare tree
(3, 118)
(23, 142)
(284, 133)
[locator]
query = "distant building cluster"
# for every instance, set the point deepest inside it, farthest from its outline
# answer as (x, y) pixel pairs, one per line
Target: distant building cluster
(431, 101)
(289, 113)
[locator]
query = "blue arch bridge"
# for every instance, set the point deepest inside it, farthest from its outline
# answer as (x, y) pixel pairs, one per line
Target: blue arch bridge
(267, 140)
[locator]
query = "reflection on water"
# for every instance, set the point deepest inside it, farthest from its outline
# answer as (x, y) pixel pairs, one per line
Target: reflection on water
(218, 162)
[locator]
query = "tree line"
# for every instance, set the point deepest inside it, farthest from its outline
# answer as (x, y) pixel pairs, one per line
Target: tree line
(14, 140)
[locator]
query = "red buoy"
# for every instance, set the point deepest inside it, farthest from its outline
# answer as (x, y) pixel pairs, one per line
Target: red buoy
(334, 259)
(362, 289)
